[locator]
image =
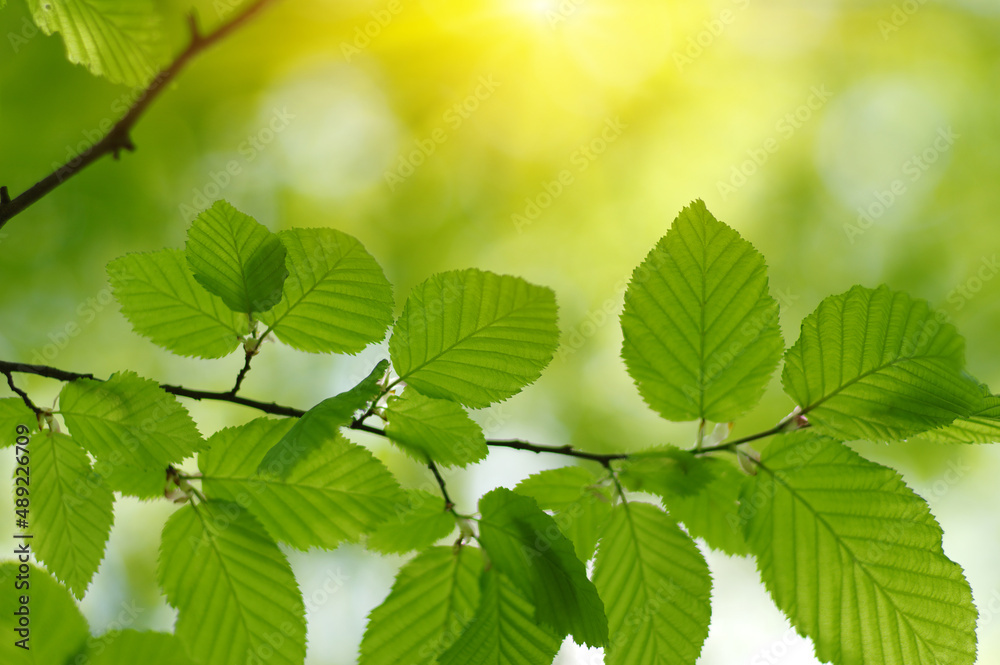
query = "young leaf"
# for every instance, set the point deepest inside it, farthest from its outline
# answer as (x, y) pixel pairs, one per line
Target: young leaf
(161, 299)
(236, 258)
(701, 336)
(116, 39)
(320, 424)
(474, 337)
(336, 298)
(879, 365)
(712, 513)
(72, 510)
(13, 412)
(435, 429)
(854, 558)
(656, 587)
(980, 426)
(432, 599)
(235, 594)
(142, 483)
(525, 544)
(133, 646)
(582, 507)
(503, 630)
(335, 494)
(667, 472)
(128, 419)
(57, 629)
(419, 522)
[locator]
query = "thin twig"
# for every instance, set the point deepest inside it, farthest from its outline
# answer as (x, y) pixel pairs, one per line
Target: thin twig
(23, 395)
(118, 137)
(568, 450)
(777, 429)
(180, 391)
(448, 504)
(243, 373)
(279, 410)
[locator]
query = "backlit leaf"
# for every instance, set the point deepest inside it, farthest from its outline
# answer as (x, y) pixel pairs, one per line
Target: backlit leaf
(701, 336)
(236, 258)
(163, 301)
(474, 337)
(879, 365)
(854, 558)
(236, 597)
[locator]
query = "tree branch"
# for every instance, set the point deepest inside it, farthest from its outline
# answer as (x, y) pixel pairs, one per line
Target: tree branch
(23, 395)
(567, 450)
(449, 505)
(118, 137)
(794, 418)
(279, 410)
(243, 373)
(180, 391)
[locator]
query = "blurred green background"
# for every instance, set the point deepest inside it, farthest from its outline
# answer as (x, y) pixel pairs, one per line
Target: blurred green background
(851, 142)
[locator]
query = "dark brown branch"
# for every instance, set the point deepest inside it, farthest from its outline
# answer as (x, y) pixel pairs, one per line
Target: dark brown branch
(23, 395)
(793, 421)
(448, 504)
(243, 373)
(568, 450)
(118, 137)
(62, 375)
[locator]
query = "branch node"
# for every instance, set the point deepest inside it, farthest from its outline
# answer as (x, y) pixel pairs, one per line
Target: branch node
(4, 196)
(39, 414)
(123, 142)
(195, 31)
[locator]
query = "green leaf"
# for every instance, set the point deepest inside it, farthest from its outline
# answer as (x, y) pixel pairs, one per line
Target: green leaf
(712, 513)
(701, 336)
(418, 523)
(235, 594)
(435, 429)
(72, 510)
(982, 425)
(236, 258)
(854, 558)
(128, 419)
(320, 424)
(116, 39)
(581, 505)
(433, 598)
(474, 337)
(701, 492)
(127, 647)
(163, 301)
(503, 630)
(666, 472)
(142, 483)
(58, 630)
(656, 587)
(335, 494)
(13, 412)
(525, 544)
(879, 365)
(336, 298)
